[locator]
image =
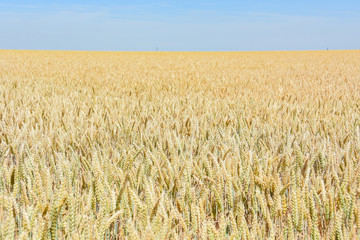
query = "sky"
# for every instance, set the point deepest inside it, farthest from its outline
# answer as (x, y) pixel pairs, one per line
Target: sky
(185, 25)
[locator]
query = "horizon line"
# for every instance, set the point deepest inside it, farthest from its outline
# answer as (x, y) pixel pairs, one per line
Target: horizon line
(165, 51)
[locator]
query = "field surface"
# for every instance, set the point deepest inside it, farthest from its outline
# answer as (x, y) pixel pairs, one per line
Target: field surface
(152, 145)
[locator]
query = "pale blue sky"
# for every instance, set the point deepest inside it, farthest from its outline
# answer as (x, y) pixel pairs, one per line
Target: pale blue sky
(180, 25)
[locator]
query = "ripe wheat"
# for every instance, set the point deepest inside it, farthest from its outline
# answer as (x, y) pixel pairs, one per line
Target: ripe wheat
(105, 145)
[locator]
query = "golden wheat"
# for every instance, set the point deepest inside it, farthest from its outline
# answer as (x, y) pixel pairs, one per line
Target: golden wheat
(232, 145)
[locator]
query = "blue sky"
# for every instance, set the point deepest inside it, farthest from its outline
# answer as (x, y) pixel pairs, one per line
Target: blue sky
(180, 25)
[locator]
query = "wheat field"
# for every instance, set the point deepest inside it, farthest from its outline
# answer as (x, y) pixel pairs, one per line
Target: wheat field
(177, 145)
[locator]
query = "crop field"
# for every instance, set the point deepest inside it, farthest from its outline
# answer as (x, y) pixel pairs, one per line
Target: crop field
(179, 145)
